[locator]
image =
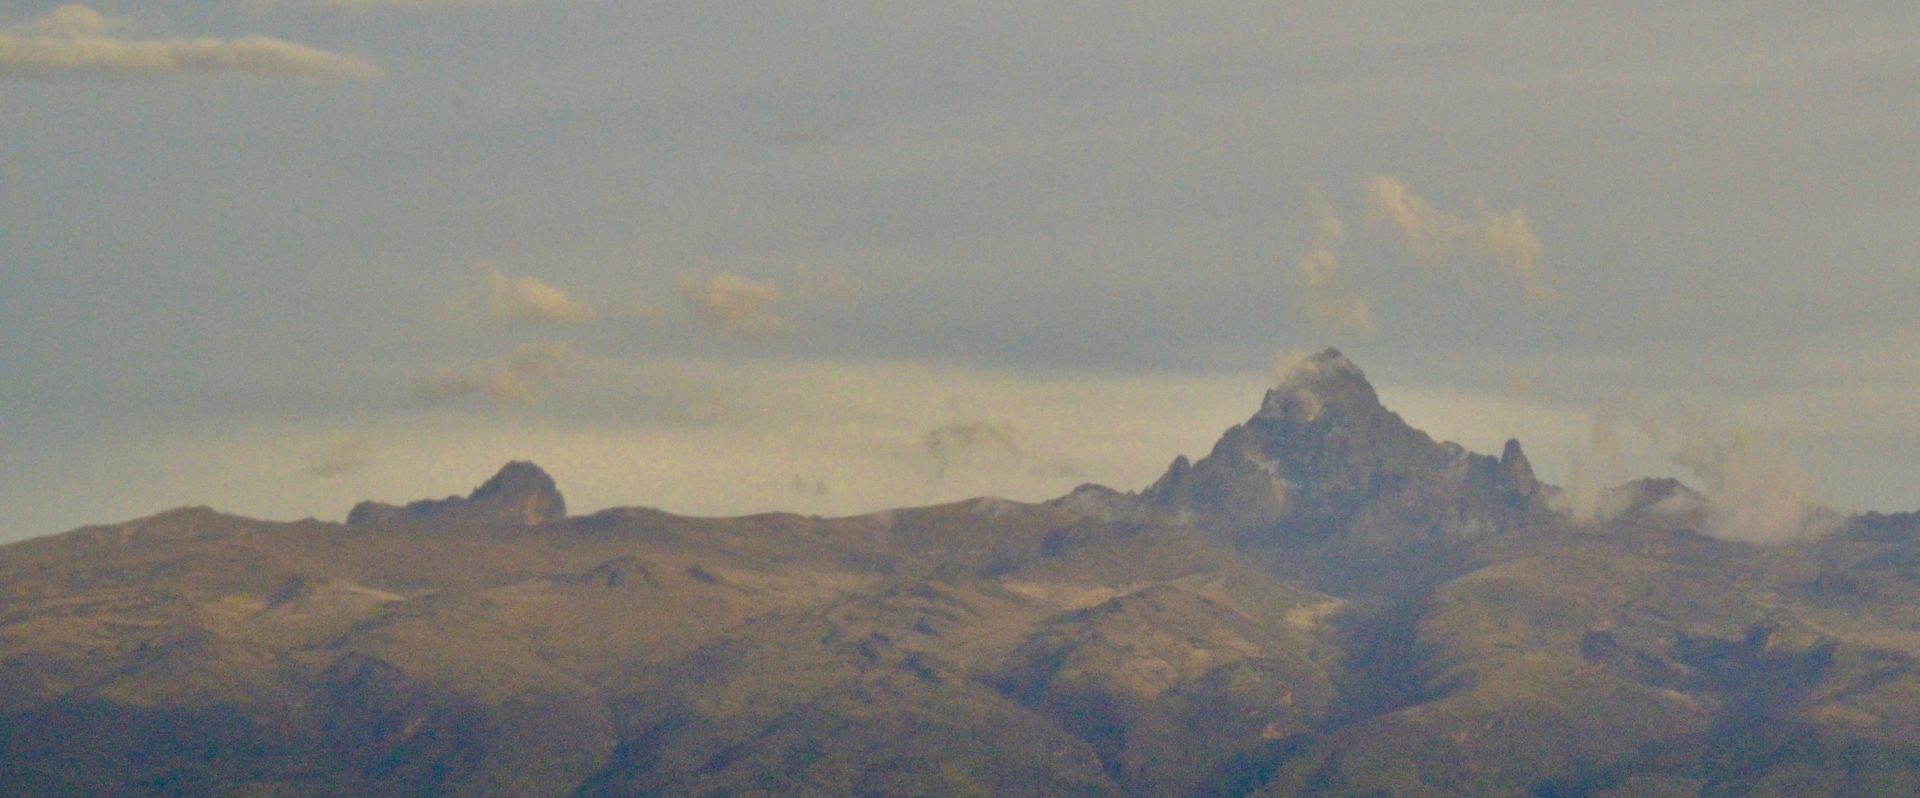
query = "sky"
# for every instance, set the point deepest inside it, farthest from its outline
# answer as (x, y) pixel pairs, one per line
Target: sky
(278, 256)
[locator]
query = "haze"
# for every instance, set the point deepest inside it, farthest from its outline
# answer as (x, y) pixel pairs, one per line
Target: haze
(278, 256)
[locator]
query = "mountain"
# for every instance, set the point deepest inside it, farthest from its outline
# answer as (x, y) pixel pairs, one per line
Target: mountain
(1329, 486)
(520, 494)
(1328, 603)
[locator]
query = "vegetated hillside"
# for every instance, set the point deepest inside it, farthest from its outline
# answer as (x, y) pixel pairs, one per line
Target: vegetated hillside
(1329, 603)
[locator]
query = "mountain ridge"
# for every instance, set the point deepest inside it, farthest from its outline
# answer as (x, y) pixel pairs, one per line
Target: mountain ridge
(1328, 603)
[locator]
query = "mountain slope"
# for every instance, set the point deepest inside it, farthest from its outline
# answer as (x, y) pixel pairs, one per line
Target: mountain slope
(1329, 603)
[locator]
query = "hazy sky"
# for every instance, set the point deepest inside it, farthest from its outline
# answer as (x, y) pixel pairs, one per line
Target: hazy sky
(280, 255)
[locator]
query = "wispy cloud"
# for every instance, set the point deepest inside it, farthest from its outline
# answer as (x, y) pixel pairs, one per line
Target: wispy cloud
(1334, 302)
(1433, 233)
(75, 41)
(736, 307)
(1755, 492)
(530, 300)
(957, 443)
(516, 378)
(1340, 301)
(345, 457)
(1594, 472)
(1751, 489)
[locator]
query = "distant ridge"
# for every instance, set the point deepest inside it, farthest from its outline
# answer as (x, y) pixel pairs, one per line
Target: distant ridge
(519, 494)
(1329, 603)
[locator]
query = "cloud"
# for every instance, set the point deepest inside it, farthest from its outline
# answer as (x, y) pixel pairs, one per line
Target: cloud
(406, 5)
(1429, 231)
(1334, 303)
(1592, 475)
(957, 443)
(1753, 491)
(736, 307)
(1295, 374)
(1320, 268)
(1509, 238)
(1435, 234)
(75, 40)
(516, 378)
(526, 299)
(346, 457)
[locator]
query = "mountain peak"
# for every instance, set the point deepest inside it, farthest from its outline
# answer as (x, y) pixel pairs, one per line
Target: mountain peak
(1324, 465)
(520, 493)
(1309, 386)
(516, 478)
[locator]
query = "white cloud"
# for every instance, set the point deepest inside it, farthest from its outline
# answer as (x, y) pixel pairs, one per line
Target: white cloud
(517, 378)
(736, 307)
(1593, 473)
(1508, 238)
(1435, 234)
(75, 40)
(526, 299)
(1753, 490)
(1335, 304)
(1430, 232)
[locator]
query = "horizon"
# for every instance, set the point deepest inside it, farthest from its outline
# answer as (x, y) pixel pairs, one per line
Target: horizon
(1584, 498)
(277, 258)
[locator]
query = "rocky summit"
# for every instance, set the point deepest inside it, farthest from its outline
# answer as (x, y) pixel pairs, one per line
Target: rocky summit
(1328, 603)
(520, 494)
(1325, 472)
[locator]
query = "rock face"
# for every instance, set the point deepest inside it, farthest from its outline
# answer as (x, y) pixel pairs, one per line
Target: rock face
(1516, 472)
(1324, 465)
(520, 494)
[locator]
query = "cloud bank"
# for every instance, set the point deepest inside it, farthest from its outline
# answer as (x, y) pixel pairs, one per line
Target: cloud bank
(75, 41)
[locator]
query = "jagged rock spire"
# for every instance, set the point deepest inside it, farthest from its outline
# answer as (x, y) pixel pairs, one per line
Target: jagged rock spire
(1516, 472)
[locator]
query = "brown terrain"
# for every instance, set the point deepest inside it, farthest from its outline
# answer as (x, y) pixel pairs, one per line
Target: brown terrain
(1329, 603)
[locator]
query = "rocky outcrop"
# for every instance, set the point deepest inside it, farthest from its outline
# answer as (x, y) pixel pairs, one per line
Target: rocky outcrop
(520, 494)
(1516, 472)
